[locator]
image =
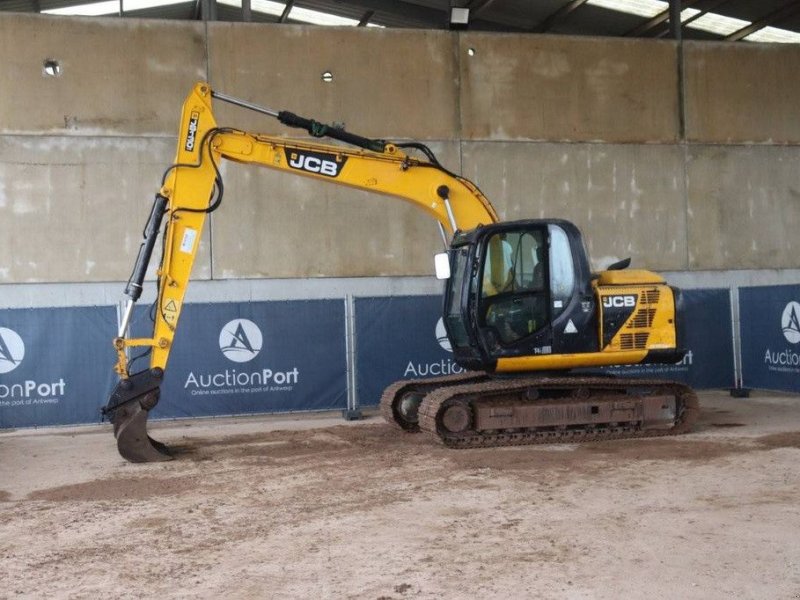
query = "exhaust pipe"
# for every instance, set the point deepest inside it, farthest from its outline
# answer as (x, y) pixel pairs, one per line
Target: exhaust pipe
(128, 408)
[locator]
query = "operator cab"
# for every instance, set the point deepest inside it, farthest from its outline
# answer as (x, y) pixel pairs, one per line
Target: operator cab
(519, 289)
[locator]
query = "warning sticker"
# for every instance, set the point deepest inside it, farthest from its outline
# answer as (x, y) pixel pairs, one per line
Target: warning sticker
(169, 312)
(187, 243)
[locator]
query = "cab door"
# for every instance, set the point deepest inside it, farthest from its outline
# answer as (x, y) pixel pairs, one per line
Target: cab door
(535, 293)
(513, 304)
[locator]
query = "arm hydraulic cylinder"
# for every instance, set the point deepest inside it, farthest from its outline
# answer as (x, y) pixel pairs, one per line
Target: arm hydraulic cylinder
(134, 288)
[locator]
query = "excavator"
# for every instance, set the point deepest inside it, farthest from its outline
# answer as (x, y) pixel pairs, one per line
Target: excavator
(525, 316)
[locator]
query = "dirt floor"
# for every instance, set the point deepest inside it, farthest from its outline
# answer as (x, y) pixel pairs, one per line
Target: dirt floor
(318, 508)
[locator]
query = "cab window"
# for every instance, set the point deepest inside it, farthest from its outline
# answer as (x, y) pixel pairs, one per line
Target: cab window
(514, 289)
(562, 269)
(514, 262)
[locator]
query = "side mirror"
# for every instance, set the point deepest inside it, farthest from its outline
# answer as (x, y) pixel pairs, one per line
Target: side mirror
(441, 263)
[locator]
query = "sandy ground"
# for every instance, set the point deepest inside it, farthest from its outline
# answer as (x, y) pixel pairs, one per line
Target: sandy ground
(316, 508)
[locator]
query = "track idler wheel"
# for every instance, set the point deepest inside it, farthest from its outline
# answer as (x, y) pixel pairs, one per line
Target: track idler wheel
(406, 410)
(128, 408)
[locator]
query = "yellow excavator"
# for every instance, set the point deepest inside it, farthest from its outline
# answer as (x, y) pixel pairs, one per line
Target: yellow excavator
(525, 315)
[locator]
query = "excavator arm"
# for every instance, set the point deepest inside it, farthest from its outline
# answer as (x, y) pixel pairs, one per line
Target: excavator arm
(192, 188)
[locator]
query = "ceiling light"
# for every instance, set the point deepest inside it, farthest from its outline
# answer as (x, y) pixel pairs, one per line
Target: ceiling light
(261, 6)
(775, 35)
(642, 8)
(718, 24)
(109, 7)
(315, 17)
(303, 15)
(459, 18)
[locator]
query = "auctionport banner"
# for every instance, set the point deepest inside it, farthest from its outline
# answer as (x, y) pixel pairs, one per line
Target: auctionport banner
(400, 337)
(770, 329)
(55, 365)
(256, 357)
(708, 338)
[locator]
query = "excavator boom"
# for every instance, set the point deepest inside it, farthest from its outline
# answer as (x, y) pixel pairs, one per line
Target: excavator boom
(192, 188)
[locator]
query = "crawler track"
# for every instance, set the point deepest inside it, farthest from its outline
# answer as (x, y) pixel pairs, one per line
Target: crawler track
(473, 410)
(546, 410)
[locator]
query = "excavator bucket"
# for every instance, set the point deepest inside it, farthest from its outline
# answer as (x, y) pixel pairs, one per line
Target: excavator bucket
(128, 409)
(133, 443)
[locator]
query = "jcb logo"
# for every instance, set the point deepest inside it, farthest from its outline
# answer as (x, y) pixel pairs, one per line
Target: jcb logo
(191, 134)
(619, 301)
(315, 162)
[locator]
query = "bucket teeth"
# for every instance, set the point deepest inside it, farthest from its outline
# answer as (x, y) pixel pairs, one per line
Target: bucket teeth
(133, 443)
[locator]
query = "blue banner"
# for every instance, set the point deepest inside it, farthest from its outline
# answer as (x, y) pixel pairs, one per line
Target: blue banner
(769, 320)
(397, 338)
(237, 358)
(708, 339)
(55, 365)
(253, 357)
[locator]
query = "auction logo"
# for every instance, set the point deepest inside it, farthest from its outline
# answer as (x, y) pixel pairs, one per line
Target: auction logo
(12, 350)
(790, 322)
(444, 366)
(240, 340)
(441, 336)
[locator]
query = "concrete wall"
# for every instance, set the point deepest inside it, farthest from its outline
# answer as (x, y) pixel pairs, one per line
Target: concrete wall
(120, 77)
(559, 88)
(583, 128)
(742, 93)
